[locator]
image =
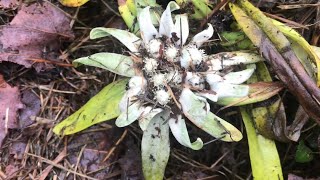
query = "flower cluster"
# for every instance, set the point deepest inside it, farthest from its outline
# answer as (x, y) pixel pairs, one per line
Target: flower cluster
(171, 80)
(173, 76)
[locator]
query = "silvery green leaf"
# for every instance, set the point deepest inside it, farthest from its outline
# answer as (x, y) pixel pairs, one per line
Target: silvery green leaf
(224, 89)
(212, 96)
(155, 147)
(203, 36)
(179, 130)
(166, 23)
(131, 41)
(181, 28)
(194, 108)
(116, 63)
(219, 61)
(147, 29)
(213, 78)
(239, 77)
(131, 114)
(147, 116)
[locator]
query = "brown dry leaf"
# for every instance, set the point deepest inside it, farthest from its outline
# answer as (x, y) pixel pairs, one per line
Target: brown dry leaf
(9, 105)
(34, 33)
(17, 149)
(9, 3)
(32, 108)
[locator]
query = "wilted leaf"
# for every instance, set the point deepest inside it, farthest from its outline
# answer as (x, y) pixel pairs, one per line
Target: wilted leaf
(279, 54)
(73, 3)
(298, 39)
(101, 107)
(257, 92)
(9, 105)
(34, 33)
(270, 116)
(155, 147)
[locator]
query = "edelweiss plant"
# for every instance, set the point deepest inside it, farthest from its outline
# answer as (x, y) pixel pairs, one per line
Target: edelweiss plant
(170, 81)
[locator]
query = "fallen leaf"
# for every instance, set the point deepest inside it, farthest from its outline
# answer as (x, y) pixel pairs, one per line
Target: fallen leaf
(34, 33)
(11, 170)
(9, 3)
(31, 108)
(17, 149)
(9, 105)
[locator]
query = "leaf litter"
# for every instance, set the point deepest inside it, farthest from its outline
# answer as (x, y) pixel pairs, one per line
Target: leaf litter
(9, 105)
(34, 34)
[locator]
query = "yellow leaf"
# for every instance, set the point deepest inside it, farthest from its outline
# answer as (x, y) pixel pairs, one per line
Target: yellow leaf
(73, 3)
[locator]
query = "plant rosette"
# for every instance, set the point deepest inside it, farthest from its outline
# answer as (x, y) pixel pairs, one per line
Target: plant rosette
(170, 81)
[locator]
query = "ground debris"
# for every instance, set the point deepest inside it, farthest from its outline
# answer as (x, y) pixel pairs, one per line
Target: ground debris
(9, 3)
(9, 105)
(34, 34)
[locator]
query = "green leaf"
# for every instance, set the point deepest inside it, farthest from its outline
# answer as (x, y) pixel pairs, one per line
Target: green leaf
(131, 41)
(116, 63)
(179, 130)
(155, 147)
(303, 153)
(196, 109)
(265, 162)
(101, 107)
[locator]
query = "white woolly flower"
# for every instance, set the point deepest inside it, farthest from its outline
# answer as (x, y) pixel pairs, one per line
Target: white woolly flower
(150, 65)
(153, 47)
(191, 56)
(194, 80)
(171, 53)
(159, 79)
(174, 77)
(162, 97)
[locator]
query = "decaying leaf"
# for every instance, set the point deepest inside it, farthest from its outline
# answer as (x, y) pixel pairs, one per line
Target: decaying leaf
(34, 33)
(280, 56)
(269, 115)
(32, 106)
(9, 3)
(9, 105)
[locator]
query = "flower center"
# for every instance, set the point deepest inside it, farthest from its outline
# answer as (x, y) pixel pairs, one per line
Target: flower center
(166, 68)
